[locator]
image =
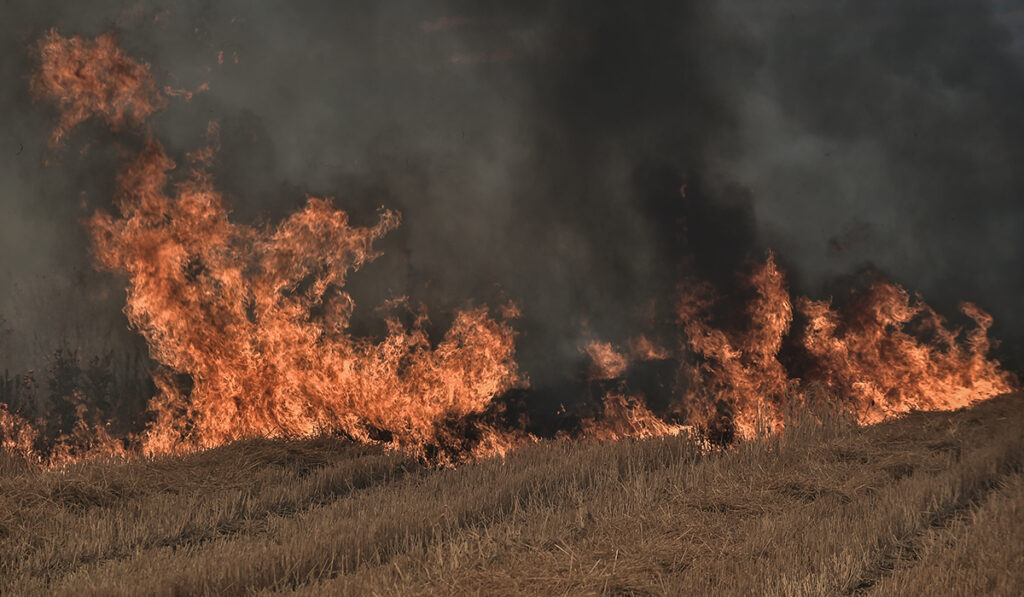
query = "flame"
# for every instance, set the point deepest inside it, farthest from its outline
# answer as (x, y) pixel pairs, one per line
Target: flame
(250, 325)
(257, 319)
(867, 355)
(625, 416)
(185, 93)
(17, 436)
(868, 351)
(643, 348)
(883, 355)
(608, 362)
(739, 372)
(88, 78)
(88, 438)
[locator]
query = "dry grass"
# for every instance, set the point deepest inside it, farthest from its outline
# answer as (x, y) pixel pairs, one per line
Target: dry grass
(928, 504)
(980, 553)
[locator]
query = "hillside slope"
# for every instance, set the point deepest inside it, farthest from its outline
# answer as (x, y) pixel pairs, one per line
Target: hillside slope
(929, 504)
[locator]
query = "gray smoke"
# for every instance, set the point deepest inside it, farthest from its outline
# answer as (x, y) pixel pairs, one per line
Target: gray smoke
(537, 149)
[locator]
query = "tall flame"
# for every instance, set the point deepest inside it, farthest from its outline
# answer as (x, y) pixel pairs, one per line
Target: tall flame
(250, 325)
(257, 317)
(740, 369)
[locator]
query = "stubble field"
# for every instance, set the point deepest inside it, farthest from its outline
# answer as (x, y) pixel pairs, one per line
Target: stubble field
(929, 504)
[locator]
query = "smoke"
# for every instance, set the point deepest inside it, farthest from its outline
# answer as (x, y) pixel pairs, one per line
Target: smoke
(890, 133)
(539, 151)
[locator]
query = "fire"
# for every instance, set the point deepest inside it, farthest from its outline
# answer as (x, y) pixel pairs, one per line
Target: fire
(881, 356)
(185, 93)
(257, 319)
(88, 78)
(17, 436)
(608, 363)
(870, 352)
(740, 369)
(88, 438)
(625, 416)
(643, 349)
(251, 325)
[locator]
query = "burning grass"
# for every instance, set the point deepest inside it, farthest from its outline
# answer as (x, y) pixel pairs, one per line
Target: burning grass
(251, 326)
(258, 320)
(825, 508)
(285, 454)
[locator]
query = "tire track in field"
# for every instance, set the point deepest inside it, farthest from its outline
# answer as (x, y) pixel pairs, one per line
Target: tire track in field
(907, 548)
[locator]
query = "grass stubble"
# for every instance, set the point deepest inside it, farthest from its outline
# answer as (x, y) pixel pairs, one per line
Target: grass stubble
(932, 503)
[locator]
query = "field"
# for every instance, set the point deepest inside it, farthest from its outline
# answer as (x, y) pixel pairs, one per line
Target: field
(929, 504)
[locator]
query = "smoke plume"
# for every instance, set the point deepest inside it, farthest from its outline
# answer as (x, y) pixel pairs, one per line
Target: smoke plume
(577, 157)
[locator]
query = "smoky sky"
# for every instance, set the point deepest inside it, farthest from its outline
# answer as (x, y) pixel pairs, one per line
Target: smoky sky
(537, 150)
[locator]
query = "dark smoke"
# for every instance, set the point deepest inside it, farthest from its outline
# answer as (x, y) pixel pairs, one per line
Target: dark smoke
(539, 150)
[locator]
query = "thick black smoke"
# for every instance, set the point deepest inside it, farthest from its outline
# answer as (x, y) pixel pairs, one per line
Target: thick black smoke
(538, 150)
(891, 133)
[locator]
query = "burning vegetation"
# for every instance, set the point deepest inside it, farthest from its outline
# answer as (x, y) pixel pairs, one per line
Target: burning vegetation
(257, 319)
(880, 355)
(250, 327)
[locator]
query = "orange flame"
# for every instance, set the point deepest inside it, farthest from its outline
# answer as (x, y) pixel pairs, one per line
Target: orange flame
(740, 370)
(868, 352)
(625, 416)
(643, 349)
(251, 324)
(17, 436)
(89, 78)
(881, 356)
(608, 363)
(258, 318)
(88, 438)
